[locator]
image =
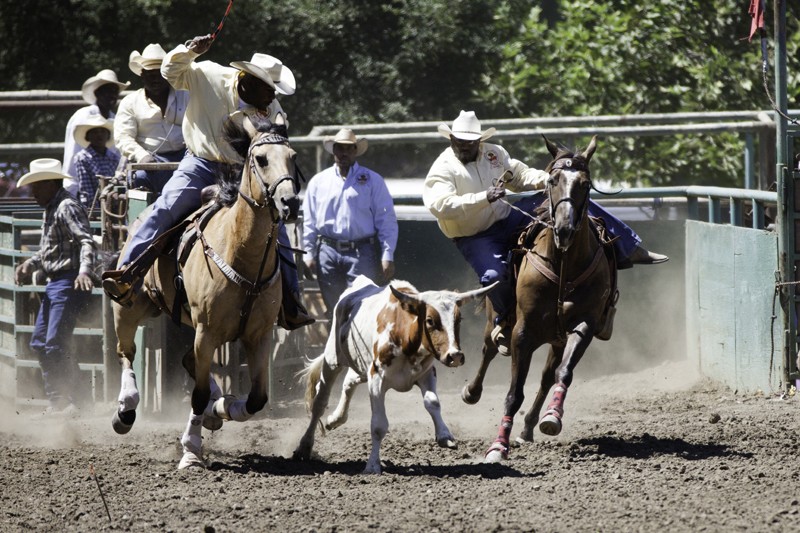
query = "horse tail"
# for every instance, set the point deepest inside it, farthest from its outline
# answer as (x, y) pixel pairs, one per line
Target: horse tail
(311, 375)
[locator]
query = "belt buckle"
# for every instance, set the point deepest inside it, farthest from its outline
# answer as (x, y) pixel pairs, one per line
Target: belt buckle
(344, 246)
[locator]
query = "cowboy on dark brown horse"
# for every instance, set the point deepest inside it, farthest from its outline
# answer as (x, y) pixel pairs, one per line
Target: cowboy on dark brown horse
(462, 190)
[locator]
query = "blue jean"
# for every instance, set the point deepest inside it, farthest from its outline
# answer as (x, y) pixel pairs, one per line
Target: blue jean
(487, 251)
(58, 313)
(337, 270)
(180, 198)
(154, 180)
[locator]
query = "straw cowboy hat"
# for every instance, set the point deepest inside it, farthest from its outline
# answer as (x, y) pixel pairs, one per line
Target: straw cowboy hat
(150, 59)
(466, 127)
(270, 70)
(91, 122)
(345, 136)
(41, 170)
(102, 78)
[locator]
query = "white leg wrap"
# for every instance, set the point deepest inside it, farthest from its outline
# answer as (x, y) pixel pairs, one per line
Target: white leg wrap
(192, 439)
(238, 411)
(229, 408)
(128, 393)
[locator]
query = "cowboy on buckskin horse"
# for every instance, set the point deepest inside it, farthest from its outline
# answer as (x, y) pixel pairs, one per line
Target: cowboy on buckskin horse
(461, 191)
(216, 94)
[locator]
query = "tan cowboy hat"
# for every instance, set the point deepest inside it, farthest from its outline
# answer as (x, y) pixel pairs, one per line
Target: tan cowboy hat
(95, 82)
(345, 136)
(91, 122)
(150, 59)
(41, 170)
(270, 70)
(466, 127)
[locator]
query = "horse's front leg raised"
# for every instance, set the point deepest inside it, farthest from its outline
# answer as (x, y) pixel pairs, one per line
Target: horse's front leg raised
(231, 408)
(427, 385)
(472, 391)
(577, 343)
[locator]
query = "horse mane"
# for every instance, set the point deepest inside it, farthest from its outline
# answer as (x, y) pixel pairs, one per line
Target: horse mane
(239, 139)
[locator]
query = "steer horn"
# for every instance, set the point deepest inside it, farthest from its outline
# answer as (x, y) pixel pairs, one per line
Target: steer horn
(475, 294)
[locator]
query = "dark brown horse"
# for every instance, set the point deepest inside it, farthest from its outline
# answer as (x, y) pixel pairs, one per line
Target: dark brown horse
(565, 290)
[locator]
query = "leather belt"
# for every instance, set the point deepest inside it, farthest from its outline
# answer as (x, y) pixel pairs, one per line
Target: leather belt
(346, 246)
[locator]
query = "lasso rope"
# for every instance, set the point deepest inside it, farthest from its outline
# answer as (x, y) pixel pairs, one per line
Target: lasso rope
(222, 22)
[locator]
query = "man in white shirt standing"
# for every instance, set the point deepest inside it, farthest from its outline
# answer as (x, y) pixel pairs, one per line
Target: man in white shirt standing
(148, 125)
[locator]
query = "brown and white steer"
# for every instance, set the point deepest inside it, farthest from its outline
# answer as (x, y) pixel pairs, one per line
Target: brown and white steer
(388, 337)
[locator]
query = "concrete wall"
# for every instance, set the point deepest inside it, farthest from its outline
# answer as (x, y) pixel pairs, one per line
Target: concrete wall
(730, 280)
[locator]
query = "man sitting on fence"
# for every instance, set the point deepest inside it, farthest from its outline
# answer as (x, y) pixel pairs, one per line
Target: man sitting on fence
(148, 125)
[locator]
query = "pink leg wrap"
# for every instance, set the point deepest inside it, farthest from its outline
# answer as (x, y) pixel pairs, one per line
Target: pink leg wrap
(504, 434)
(556, 406)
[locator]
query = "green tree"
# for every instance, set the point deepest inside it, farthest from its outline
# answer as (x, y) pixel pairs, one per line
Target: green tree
(622, 57)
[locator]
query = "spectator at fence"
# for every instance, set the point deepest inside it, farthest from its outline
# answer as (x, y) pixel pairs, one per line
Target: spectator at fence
(148, 124)
(349, 223)
(98, 157)
(66, 256)
(462, 190)
(101, 92)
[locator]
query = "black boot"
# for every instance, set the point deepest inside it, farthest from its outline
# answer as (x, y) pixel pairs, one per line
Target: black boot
(293, 314)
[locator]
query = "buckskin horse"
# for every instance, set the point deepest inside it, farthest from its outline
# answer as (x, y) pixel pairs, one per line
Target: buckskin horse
(565, 291)
(232, 286)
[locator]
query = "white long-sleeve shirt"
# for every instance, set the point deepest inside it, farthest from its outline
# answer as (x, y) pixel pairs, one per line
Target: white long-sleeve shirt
(140, 129)
(213, 98)
(456, 193)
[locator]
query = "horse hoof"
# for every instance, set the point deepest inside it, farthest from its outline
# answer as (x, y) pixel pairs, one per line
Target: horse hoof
(494, 457)
(550, 425)
(497, 453)
(301, 455)
(525, 436)
(190, 459)
(211, 423)
(123, 422)
(447, 442)
(470, 397)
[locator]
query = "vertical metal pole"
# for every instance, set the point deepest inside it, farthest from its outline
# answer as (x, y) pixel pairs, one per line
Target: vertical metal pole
(786, 193)
(749, 161)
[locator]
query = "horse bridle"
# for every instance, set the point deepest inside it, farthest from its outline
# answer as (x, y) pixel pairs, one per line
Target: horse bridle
(268, 193)
(566, 163)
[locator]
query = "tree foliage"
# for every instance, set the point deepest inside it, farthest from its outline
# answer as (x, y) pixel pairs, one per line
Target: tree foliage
(623, 58)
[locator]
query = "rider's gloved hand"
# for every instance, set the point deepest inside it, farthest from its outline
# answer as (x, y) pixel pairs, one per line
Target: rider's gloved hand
(495, 193)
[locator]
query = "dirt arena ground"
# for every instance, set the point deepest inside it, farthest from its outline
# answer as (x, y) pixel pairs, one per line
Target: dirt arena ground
(655, 450)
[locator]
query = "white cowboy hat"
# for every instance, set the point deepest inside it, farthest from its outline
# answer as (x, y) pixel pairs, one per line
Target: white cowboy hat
(466, 127)
(102, 78)
(150, 59)
(270, 70)
(91, 122)
(41, 170)
(345, 136)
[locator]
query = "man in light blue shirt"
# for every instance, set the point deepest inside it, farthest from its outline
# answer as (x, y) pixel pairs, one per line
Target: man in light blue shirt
(349, 223)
